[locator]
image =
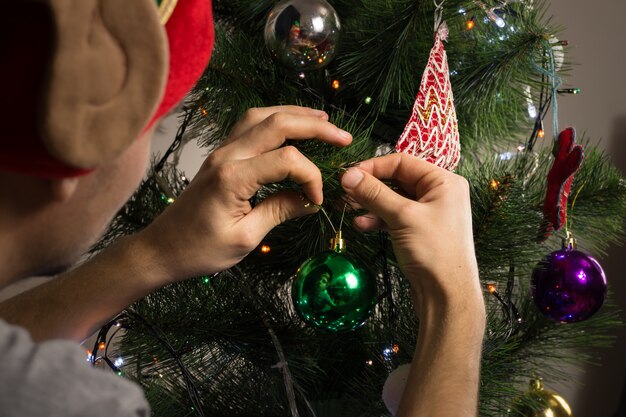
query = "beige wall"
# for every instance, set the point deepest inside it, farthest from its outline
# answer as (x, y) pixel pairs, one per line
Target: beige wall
(595, 31)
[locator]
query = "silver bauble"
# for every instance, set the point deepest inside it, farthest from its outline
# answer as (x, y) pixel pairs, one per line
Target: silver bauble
(303, 34)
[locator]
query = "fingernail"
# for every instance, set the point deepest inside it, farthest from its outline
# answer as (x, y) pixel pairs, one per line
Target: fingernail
(344, 134)
(308, 203)
(352, 178)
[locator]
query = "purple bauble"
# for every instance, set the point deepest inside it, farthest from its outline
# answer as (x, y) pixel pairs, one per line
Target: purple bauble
(568, 286)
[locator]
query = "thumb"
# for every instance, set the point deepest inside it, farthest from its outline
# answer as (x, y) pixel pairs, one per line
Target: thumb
(276, 209)
(372, 194)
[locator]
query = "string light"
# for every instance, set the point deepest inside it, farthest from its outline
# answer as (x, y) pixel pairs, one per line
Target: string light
(541, 133)
(301, 75)
(491, 287)
(119, 362)
(368, 100)
(265, 249)
(506, 156)
(205, 280)
(102, 345)
(532, 110)
(204, 112)
(470, 24)
(369, 362)
(568, 91)
(395, 348)
(494, 184)
(336, 84)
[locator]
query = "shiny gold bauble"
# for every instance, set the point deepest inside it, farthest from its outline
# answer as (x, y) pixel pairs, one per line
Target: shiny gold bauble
(539, 402)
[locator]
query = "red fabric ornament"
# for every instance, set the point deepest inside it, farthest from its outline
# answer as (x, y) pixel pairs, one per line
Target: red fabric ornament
(432, 132)
(567, 160)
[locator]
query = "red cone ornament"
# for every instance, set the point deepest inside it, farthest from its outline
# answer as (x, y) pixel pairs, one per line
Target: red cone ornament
(432, 132)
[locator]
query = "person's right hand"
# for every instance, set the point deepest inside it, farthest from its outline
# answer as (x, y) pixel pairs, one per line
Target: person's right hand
(430, 225)
(212, 225)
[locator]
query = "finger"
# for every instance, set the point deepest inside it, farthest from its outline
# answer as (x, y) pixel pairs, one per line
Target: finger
(256, 115)
(372, 194)
(412, 174)
(369, 222)
(272, 132)
(285, 162)
(276, 209)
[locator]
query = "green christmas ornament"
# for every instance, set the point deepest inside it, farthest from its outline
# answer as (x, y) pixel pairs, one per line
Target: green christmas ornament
(332, 291)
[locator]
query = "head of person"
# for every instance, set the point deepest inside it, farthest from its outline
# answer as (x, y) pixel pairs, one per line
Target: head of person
(84, 83)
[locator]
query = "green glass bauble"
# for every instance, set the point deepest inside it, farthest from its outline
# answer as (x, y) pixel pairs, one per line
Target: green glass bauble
(333, 292)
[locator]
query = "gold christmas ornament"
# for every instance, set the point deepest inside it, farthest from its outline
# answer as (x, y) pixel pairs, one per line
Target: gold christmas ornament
(539, 402)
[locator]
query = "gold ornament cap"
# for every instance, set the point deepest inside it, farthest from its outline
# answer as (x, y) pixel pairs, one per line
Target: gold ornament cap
(338, 244)
(569, 242)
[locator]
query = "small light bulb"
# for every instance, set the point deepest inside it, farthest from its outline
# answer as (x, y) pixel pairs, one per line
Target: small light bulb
(369, 362)
(470, 24)
(102, 345)
(506, 156)
(265, 249)
(541, 133)
(368, 100)
(204, 112)
(494, 184)
(532, 110)
(118, 362)
(301, 75)
(395, 348)
(335, 84)
(491, 288)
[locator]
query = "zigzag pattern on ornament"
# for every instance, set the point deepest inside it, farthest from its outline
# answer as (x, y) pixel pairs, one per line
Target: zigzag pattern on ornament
(432, 131)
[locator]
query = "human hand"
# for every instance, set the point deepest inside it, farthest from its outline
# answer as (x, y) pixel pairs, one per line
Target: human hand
(212, 225)
(430, 226)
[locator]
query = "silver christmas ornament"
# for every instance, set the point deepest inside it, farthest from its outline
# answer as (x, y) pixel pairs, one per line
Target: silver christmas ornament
(303, 34)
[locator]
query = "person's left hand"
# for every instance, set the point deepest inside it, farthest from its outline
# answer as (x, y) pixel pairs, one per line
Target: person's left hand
(212, 225)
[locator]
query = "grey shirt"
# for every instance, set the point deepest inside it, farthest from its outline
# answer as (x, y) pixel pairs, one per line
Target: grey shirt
(52, 379)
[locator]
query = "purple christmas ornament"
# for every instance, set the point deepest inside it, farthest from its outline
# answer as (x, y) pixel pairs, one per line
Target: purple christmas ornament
(568, 285)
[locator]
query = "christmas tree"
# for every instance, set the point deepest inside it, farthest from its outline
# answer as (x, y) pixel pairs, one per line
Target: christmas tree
(234, 344)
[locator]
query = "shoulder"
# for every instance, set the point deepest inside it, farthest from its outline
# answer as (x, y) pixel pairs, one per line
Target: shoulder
(53, 379)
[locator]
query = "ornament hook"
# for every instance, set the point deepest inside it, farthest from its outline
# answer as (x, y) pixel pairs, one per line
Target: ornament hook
(438, 14)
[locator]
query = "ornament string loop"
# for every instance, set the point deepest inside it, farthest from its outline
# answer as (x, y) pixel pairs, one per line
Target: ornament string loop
(438, 14)
(555, 81)
(568, 222)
